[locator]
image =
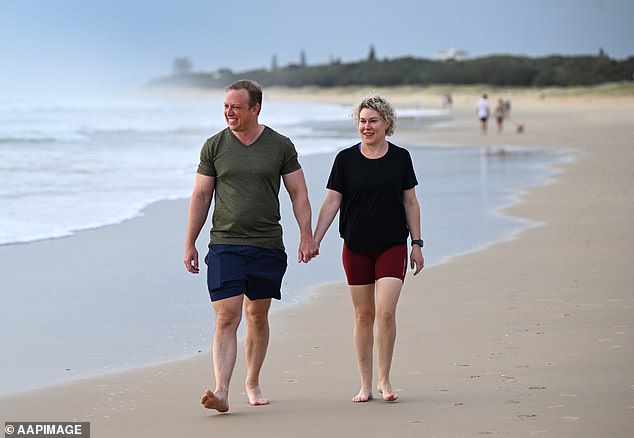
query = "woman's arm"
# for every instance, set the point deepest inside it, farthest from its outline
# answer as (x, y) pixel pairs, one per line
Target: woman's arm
(412, 216)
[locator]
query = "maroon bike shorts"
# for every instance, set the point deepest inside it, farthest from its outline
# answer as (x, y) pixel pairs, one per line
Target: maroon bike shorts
(365, 268)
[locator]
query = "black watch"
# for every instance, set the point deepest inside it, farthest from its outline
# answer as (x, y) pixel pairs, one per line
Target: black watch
(418, 242)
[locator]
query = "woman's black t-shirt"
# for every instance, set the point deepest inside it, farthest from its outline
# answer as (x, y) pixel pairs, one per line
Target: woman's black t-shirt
(372, 216)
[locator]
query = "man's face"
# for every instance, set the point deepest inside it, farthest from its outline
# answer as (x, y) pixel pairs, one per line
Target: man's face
(238, 114)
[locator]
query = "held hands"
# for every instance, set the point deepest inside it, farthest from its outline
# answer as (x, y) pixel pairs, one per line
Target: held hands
(308, 250)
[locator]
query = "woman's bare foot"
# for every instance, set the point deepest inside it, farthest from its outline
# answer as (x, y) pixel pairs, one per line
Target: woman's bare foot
(214, 401)
(256, 398)
(388, 394)
(363, 396)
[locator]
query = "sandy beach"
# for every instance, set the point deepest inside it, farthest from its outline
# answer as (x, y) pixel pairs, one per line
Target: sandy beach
(528, 337)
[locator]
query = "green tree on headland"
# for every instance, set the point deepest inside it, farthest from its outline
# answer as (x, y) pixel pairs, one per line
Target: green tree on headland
(372, 54)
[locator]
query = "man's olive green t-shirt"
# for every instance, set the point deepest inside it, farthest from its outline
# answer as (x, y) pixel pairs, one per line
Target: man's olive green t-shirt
(246, 203)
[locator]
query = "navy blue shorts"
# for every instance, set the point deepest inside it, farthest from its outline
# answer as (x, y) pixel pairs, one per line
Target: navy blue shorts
(233, 270)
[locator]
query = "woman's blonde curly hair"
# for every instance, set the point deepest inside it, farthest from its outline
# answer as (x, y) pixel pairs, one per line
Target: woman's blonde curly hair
(381, 106)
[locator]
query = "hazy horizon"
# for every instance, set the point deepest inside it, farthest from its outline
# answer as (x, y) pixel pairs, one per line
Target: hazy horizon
(72, 46)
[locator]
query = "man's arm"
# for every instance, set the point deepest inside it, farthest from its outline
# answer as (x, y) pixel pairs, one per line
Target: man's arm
(296, 187)
(198, 210)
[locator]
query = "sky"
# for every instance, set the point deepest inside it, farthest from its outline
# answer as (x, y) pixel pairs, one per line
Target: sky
(109, 44)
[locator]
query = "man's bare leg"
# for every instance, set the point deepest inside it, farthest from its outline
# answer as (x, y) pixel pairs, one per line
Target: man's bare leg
(387, 295)
(228, 315)
(255, 344)
(363, 302)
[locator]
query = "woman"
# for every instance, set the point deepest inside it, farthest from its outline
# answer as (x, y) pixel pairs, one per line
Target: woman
(373, 184)
(500, 115)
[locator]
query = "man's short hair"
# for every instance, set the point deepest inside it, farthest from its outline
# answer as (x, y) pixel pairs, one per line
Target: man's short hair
(253, 88)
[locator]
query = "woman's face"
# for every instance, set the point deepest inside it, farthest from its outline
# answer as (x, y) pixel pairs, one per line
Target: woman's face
(372, 127)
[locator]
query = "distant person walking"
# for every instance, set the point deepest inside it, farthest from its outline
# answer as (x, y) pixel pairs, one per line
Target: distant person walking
(447, 101)
(483, 112)
(373, 187)
(500, 115)
(241, 168)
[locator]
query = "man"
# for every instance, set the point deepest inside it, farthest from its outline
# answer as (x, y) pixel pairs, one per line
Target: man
(483, 111)
(240, 167)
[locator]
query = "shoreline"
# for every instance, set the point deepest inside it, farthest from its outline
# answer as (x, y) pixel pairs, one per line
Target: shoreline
(528, 336)
(299, 291)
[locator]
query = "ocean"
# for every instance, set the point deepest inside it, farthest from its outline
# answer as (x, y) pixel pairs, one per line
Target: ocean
(101, 162)
(74, 165)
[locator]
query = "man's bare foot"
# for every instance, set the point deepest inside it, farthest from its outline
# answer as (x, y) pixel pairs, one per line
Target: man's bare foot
(256, 398)
(388, 394)
(211, 401)
(363, 396)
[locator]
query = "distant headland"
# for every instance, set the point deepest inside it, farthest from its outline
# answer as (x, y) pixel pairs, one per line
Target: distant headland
(495, 70)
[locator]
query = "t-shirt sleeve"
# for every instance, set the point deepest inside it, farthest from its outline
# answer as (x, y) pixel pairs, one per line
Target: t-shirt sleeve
(206, 165)
(409, 179)
(291, 162)
(336, 180)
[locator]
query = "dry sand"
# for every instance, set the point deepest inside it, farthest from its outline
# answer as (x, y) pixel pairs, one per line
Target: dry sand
(528, 337)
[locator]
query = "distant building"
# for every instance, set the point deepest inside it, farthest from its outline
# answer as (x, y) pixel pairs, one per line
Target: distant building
(451, 55)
